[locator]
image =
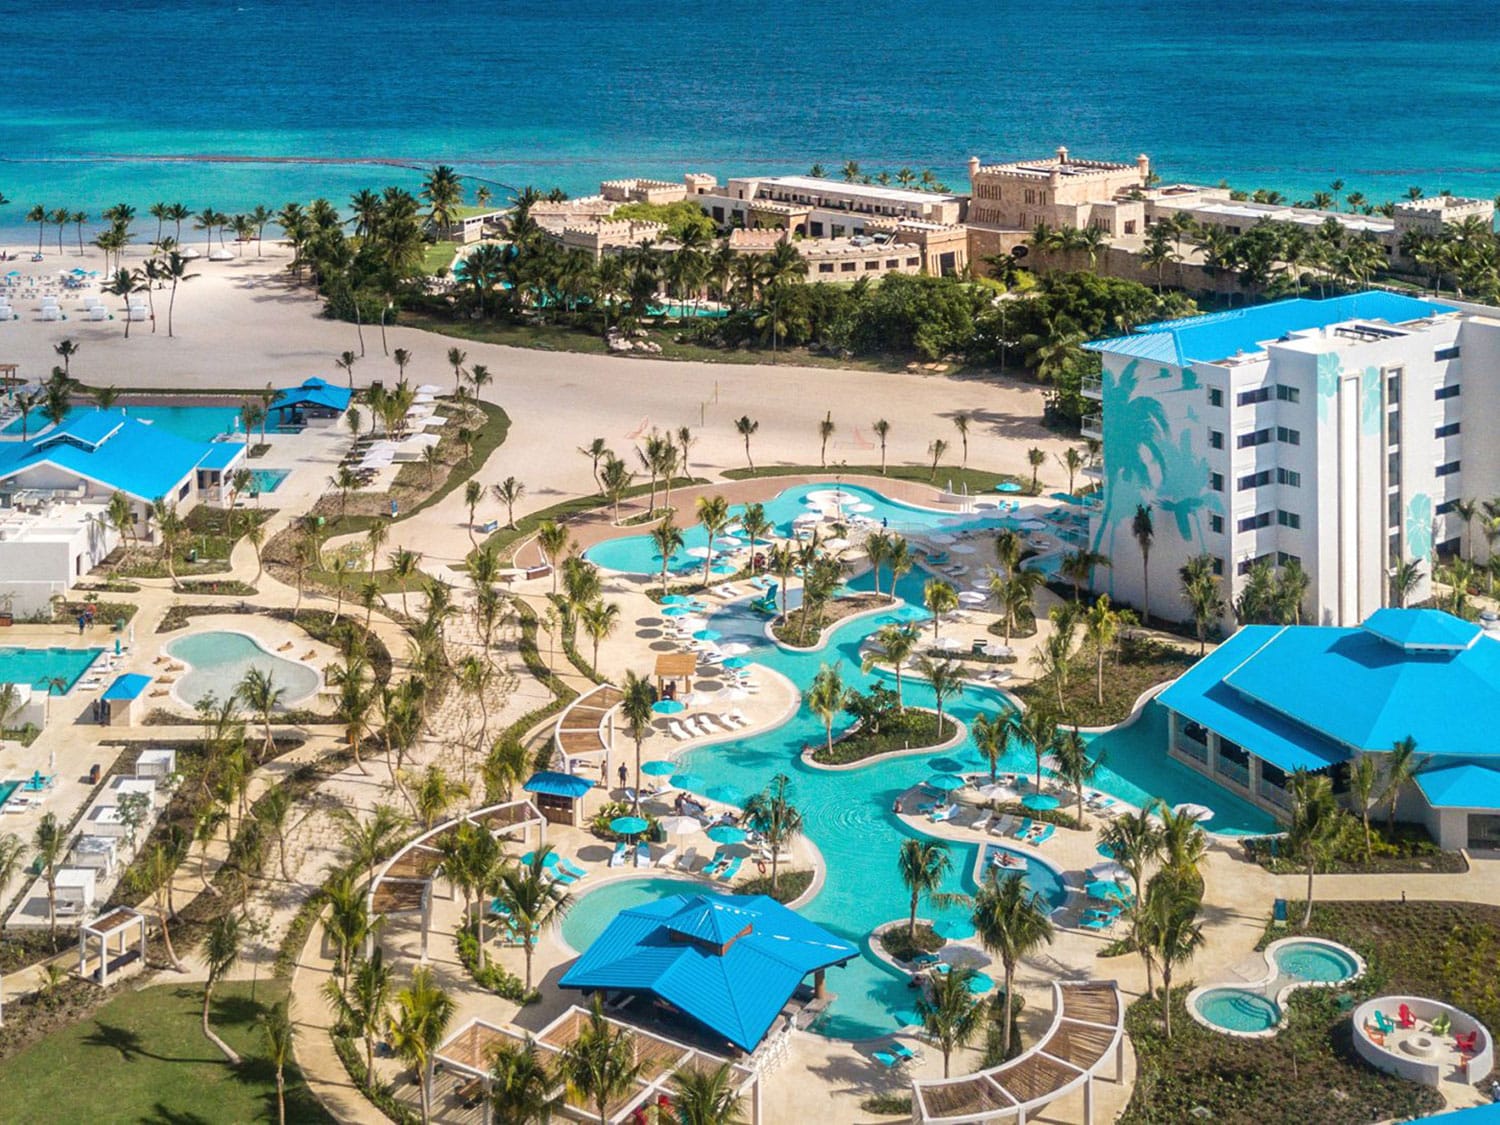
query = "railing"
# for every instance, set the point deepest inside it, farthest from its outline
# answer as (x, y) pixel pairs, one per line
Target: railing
(1275, 794)
(1194, 750)
(1235, 772)
(1093, 426)
(1093, 386)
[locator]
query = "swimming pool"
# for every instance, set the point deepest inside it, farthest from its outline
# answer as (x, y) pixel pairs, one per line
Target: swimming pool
(6, 789)
(218, 661)
(40, 666)
(267, 480)
(1315, 961)
(1238, 1009)
(197, 423)
(1257, 1010)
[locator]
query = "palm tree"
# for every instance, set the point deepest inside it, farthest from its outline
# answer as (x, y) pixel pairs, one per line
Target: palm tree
(950, 1012)
(1015, 594)
(961, 422)
(882, 430)
(1172, 906)
(1401, 769)
(1141, 527)
(637, 699)
(615, 477)
(946, 678)
(747, 427)
(922, 864)
(50, 844)
(174, 269)
(707, 1097)
(666, 539)
(601, 1063)
(1364, 780)
(423, 1011)
(261, 697)
(937, 448)
(771, 814)
(66, 350)
(38, 215)
(1406, 576)
(122, 284)
(456, 358)
(595, 451)
(221, 950)
(1012, 923)
(509, 492)
(405, 565)
(277, 1032)
(361, 1004)
(826, 697)
(1134, 839)
(896, 644)
(521, 1085)
(1072, 461)
(1037, 727)
(1036, 458)
(1074, 766)
(992, 738)
(1201, 592)
(599, 620)
(713, 514)
(1101, 624)
(153, 876)
(940, 597)
(533, 899)
(1313, 827)
(825, 431)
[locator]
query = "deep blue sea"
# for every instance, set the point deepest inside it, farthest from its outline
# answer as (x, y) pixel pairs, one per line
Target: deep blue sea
(566, 92)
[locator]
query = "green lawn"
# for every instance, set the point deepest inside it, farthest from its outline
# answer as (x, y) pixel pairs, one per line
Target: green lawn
(142, 1057)
(438, 256)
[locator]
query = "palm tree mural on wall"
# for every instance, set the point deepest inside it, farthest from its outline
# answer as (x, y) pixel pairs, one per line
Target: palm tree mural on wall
(1136, 435)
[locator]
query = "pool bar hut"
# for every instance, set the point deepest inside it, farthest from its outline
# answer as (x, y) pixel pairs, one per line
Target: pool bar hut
(315, 400)
(119, 703)
(122, 927)
(673, 666)
(559, 796)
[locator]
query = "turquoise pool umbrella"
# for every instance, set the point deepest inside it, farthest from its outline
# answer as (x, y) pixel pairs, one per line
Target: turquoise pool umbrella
(689, 781)
(726, 794)
(675, 599)
(737, 662)
(980, 983)
(658, 768)
(1107, 890)
(707, 635)
(954, 928)
(669, 707)
(945, 782)
(726, 834)
(724, 571)
(1007, 486)
(628, 825)
(1107, 851)
(550, 860)
(677, 611)
(1040, 802)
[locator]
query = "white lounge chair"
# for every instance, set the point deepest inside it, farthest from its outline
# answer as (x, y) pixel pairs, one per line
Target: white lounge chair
(702, 725)
(737, 717)
(675, 729)
(667, 857)
(1002, 826)
(687, 859)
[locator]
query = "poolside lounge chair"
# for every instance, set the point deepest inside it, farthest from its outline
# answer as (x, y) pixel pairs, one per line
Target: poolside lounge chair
(889, 1062)
(1375, 1035)
(732, 870)
(643, 854)
(571, 868)
(737, 717)
(1096, 923)
(1405, 1017)
(716, 864)
(1383, 1022)
(982, 823)
(1003, 825)
(617, 859)
(939, 816)
(1023, 829)
(922, 960)
(675, 729)
(666, 857)
(1043, 834)
(703, 726)
(687, 859)
(560, 877)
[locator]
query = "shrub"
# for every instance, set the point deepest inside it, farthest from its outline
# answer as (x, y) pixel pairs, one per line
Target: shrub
(489, 975)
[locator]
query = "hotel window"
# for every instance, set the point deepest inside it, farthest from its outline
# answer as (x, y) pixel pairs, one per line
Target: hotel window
(1253, 438)
(1284, 559)
(1393, 387)
(872, 264)
(847, 267)
(1393, 509)
(1450, 391)
(1446, 353)
(1289, 519)
(1215, 524)
(1218, 567)
(1289, 477)
(1449, 469)
(1288, 436)
(1442, 509)
(1215, 439)
(1250, 398)
(1446, 431)
(825, 267)
(1255, 522)
(1285, 393)
(1253, 480)
(1215, 397)
(1393, 428)
(1216, 481)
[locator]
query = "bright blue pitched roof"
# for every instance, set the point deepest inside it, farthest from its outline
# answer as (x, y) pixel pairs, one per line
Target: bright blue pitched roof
(222, 454)
(556, 784)
(1461, 785)
(730, 962)
(1301, 695)
(117, 452)
(1216, 336)
(128, 686)
(313, 392)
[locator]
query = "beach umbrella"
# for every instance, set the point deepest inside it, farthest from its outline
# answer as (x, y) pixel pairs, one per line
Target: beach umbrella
(429, 389)
(680, 825)
(1111, 870)
(734, 648)
(964, 549)
(549, 860)
(945, 782)
(726, 795)
(1199, 813)
(1107, 890)
(724, 570)
(1040, 802)
(689, 781)
(949, 644)
(727, 834)
(998, 792)
(698, 552)
(675, 599)
(628, 825)
(943, 538)
(659, 768)
(677, 611)
(1007, 486)
(669, 707)
(1106, 850)
(702, 698)
(837, 544)
(945, 764)
(980, 983)
(955, 927)
(734, 694)
(707, 635)
(972, 597)
(861, 507)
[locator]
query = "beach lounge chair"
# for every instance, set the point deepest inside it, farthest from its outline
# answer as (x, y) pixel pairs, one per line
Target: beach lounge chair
(703, 726)
(903, 1052)
(889, 1062)
(1383, 1022)
(983, 823)
(1096, 923)
(923, 960)
(1043, 834)
(676, 731)
(643, 854)
(1023, 829)
(737, 717)
(926, 807)
(571, 868)
(716, 864)
(1375, 1035)
(560, 877)
(617, 859)
(687, 859)
(1440, 1026)
(1405, 1016)
(1467, 1044)
(666, 857)
(939, 816)
(1003, 825)
(732, 870)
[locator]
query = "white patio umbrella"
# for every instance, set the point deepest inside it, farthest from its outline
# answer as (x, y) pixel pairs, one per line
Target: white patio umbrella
(421, 441)
(680, 825)
(1108, 870)
(734, 648)
(836, 544)
(1196, 812)
(997, 792)
(430, 389)
(950, 644)
(698, 552)
(702, 698)
(734, 695)
(943, 538)
(964, 549)
(972, 597)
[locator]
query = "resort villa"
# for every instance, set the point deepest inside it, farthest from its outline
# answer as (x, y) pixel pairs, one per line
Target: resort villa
(1338, 433)
(1275, 699)
(55, 491)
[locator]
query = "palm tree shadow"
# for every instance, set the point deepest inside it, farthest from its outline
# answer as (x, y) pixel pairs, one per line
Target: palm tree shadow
(162, 1115)
(122, 1039)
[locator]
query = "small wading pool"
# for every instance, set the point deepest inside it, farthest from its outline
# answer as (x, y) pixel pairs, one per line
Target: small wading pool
(596, 909)
(1238, 1009)
(39, 667)
(1256, 1009)
(1314, 961)
(267, 480)
(218, 661)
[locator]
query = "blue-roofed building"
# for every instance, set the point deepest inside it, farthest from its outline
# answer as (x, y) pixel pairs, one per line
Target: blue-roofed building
(1274, 699)
(728, 963)
(1336, 435)
(314, 399)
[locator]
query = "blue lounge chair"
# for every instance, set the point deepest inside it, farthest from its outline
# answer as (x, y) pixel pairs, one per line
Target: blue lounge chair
(1044, 834)
(890, 1062)
(560, 877)
(924, 959)
(902, 1051)
(1023, 828)
(732, 870)
(570, 868)
(938, 816)
(1096, 923)
(642, 855)
(499, 909)
(926, 807)
(715, 865)
(617, 859)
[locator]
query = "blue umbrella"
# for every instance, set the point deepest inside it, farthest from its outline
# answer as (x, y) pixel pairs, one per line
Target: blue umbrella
(689, 781)
(675, 599)
(737, 662)
(628, 825)
(1040, 802)
(550, 860)
(676, 611)
(945, 782)
(1108, 851)
(726, 834)
(954, 928)
(980, 983)
(707, 635)
(669, 707)
(1108, 890)
(658, 768)
(1007, 486)
(947, 765)
(726, 794)
(723, 571)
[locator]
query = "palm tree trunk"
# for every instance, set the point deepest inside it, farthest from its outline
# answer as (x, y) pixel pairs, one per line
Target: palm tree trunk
(1006, 1023)
(1312, 865)
(1166, 1000)
(208, 1032)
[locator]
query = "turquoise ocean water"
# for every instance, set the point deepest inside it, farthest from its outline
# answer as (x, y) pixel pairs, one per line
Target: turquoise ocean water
(1262, 92)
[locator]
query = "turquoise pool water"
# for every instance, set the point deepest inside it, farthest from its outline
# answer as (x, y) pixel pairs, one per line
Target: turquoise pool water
(218, 661)
(197, 423)
(267, 480)
(39, 666)
(634, 554)
(6, 789)
(1314, 961)
(846, 814)
(594, 910)
(1238, 1009)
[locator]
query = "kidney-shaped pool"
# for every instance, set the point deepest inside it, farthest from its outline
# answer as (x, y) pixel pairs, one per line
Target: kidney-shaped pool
(217, 662)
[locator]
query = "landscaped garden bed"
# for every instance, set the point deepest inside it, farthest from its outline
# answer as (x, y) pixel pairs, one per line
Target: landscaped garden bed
(796, 632)
(1142, 663)
(914, 729)
(1411, 851)
(790, 884)
(902, 945)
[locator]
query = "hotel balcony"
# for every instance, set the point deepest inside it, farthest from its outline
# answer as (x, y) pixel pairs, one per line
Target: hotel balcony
(1093, 426)
(1093, 386)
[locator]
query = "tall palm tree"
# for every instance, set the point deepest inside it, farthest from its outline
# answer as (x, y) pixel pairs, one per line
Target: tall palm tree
(637, 699)
(361, 1004)
(534, 900)
(746, 426)
(992, 736)
(1074, 765)
(1364, 781)
(946, 679)
(49, 842)
(616, 477)
(1101, 624)
(174, 269)
(940, 597)
(595, 451)
(773, 815)
(456, 359)
(896, 642)
(882, 430)
(1203, 595)
(1141, 527)
(1036, 458)
(1012, 923)
(1184, 845)
(1402, 766)
(961, 422)
(599, 618)
(221, 949)
(509, 492)
(666, 539)
(950, 1013)
(825, 698)
(1134, 839)
(1406, 576)
(521, 1084)
(825, 431)
(423, 1011)
(713, 514)
(601, 1063)
(922, 864)
(123, 284)
(1172, 905)
(1037, 727)
(277, 1031)
(706, 1097)
(937, 448)
(1313, 827)
(262, 697)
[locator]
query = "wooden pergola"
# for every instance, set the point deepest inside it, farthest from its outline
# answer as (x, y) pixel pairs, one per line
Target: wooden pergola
(10, 373)
(676, 666)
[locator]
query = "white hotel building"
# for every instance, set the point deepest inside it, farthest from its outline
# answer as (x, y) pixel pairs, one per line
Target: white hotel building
(1335, 432)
